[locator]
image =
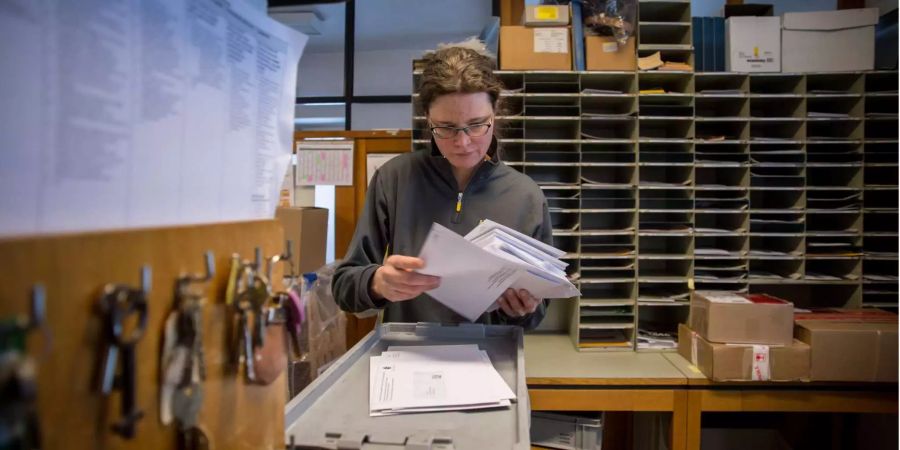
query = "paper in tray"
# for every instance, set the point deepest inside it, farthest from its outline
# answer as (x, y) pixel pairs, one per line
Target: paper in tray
(335, 407)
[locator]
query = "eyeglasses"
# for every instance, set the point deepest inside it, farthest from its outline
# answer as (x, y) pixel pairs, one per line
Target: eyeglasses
(475, 130)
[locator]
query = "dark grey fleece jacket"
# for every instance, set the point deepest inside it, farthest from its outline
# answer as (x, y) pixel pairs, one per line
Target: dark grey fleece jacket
(405, 196)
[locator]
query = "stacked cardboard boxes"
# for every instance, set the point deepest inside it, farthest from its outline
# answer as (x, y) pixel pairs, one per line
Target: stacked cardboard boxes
(543, 42)
(739, 337)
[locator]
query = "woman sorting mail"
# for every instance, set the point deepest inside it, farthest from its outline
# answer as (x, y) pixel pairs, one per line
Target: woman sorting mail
(457, 185)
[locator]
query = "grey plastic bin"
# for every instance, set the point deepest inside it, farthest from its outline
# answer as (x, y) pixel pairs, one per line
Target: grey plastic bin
(333, 411)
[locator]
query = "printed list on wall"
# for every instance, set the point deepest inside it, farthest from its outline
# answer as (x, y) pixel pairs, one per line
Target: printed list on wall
(142, 113)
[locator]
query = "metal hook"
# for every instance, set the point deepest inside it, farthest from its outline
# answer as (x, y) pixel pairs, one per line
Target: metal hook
(38, 306)
(210, 265)
(283, 257)
(146, 279)
(183, 281)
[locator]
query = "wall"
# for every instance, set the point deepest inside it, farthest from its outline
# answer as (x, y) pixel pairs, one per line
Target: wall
(378, 72)
(321, 74)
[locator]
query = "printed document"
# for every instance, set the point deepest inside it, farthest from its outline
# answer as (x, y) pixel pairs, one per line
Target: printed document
(141, 114)
(477, 268)
(415, 379)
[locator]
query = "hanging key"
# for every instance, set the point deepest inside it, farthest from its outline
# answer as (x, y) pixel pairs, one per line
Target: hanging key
(186, 404)
(19, 425)
(243, 307)
(260, 294)
(271, 358)
(183, 360)
(118, 304)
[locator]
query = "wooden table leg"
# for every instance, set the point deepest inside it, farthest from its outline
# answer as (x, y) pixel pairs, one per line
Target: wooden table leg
(693, 414)
(679, 421)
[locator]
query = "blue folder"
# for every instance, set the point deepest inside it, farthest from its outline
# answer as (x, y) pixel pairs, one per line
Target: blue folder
(697, 34)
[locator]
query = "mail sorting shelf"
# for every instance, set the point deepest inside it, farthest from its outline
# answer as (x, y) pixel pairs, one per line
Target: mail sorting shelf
(722, 192)
(665, 27)
(606, 313)
(880, 243)
(791, 180)
(666, 200)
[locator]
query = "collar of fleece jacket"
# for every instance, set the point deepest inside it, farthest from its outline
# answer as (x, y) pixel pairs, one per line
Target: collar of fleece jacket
(482, 173)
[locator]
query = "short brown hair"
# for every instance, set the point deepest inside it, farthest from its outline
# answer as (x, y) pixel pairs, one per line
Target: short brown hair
(452, 70)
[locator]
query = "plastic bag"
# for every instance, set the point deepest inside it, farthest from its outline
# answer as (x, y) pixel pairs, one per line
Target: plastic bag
(611, 18)
(319, 300)
(324, 333)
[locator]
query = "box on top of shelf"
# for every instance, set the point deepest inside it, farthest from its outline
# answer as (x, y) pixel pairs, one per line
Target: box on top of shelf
(730, 362)
(753, 44)
(829, 41)
(605, 53)
(731, 318)
(850, 344)
(524, 48)
(546, 15)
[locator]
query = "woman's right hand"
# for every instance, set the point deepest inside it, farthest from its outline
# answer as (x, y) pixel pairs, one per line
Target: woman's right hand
(396, 280)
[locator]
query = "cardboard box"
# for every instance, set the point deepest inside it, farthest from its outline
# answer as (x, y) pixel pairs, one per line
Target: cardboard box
(753, 44)
(523, 48)
(546, 15)
(850, 345)
(307, 229)
(604, 53)
(728, 318)
(730, 362)
(829, 41)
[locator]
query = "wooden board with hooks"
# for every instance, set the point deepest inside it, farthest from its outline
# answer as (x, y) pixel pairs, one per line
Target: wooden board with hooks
(68, 348)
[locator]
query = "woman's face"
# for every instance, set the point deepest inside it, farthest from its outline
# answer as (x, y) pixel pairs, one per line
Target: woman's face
(462, 110)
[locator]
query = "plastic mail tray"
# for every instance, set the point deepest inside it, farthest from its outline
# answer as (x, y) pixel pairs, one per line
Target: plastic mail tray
(333, 411)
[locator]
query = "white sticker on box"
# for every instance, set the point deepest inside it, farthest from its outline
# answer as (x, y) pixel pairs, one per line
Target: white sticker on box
(759, 370)
(551, 40)
(610, 47)
(726, 298)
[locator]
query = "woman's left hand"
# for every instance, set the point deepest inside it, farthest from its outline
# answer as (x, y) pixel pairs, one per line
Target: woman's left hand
(518, 303)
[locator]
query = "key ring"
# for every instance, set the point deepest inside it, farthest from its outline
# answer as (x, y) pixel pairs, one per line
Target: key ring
(121, 302)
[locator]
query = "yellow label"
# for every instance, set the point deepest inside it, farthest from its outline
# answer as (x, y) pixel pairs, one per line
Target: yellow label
(756, 52)
(546, 13)
(691, 284)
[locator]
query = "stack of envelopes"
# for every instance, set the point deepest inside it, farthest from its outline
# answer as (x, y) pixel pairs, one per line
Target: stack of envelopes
(477, 268)
(432, 378)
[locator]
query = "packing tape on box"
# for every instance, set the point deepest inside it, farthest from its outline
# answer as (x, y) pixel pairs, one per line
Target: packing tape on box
(693, 347)
(759, 367)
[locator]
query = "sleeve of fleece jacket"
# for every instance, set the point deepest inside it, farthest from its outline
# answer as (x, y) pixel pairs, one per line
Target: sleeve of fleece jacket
(530, 321)
(350, 284)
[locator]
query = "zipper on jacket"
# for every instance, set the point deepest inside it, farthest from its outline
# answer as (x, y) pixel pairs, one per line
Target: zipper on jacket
(457, 216)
